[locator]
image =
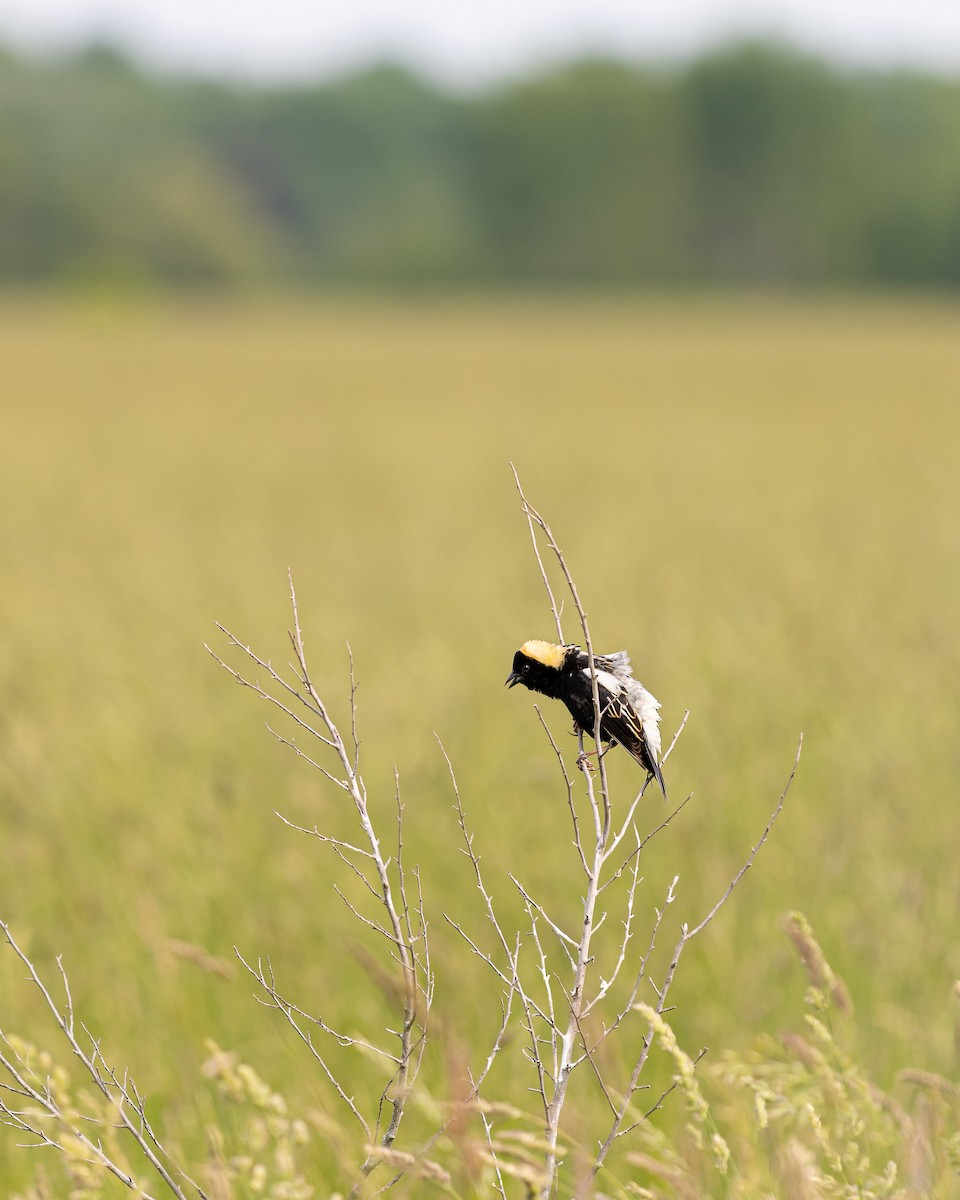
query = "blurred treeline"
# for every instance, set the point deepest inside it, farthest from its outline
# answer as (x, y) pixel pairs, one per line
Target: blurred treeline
(753, 163)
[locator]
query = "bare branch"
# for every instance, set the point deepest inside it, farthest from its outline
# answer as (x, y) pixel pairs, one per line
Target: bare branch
(529, 513)
(564, 938)
(290, 1012)
(397, 924)
(607, 984)
(686, 935)
(255, 686)
(588, 1055)
(323, 837)
(354, 735)
(643, 842)
(306, 757)
(117, 1095)
(568, 782)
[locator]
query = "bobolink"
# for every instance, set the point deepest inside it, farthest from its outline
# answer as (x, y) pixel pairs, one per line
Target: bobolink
(628, 713)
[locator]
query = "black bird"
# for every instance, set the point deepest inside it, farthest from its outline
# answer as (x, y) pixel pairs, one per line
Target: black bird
(628, 713)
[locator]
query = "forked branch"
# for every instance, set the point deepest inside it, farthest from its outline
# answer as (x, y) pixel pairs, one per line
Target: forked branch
(592, 988)
(402, 923)
(120, 1092)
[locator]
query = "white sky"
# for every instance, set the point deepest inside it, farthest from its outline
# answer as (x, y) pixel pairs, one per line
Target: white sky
(467, 41)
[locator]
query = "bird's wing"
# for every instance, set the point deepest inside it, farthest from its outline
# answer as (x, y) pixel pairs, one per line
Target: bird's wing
(640, 714)
(617, 664)
(630, 705)
(631, 714)
(647, 709)
(631, 719)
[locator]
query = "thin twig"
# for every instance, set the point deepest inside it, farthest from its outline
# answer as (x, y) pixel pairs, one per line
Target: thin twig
(397, 921)
(686, 936)
(754, 852)
(290, 1012)
(568, 783)
(118, 1096)
(528, 511)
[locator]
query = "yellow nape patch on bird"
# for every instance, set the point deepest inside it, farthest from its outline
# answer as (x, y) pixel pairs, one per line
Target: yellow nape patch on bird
(548, 653)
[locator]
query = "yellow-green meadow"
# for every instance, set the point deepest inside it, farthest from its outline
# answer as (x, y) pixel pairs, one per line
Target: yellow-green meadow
(759, 499)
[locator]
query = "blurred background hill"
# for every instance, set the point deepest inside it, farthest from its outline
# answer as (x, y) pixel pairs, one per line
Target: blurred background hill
(752, 163)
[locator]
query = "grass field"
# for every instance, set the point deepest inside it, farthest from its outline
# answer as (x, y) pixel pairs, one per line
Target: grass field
(759, 499)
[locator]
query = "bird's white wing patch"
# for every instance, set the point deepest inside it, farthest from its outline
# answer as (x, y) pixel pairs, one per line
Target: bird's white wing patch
(617, 664)
(647, 709)
(607, 680)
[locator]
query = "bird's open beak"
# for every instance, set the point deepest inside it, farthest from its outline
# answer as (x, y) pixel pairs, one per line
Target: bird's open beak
(512, 679)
